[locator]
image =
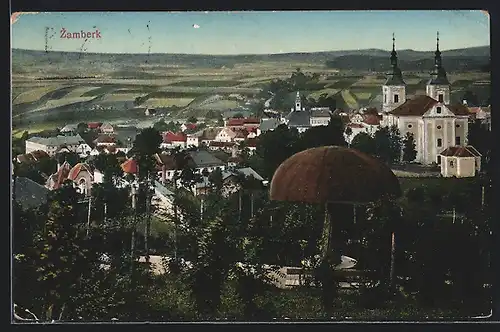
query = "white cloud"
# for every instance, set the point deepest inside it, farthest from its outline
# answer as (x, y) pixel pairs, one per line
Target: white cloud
(196, 26)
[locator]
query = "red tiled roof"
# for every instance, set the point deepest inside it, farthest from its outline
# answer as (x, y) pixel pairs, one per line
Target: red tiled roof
(458, 109)
(73, 173)
(39, 154)
(190, 125)
(104, 139)
(130, 166)
(62, 174)
(371, 119)
(235, 122)
(371, 110)
(415, 107)
(252, 121)
(474, 110)
(165, 159)
(460, 151)
(94, 125)
(170, 137)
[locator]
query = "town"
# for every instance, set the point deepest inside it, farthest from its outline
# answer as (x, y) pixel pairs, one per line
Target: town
(288, 209)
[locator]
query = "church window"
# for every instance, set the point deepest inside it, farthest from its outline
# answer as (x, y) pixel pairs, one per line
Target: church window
(385, 99)
(441, 98)
(439, 142)
(439, 160)
(409, 126)
(438, 127)
(458, 126)
(396, 98)
(438, 110)
(452, 164)
(457, 140)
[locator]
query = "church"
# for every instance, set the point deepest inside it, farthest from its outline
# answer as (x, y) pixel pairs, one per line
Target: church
(435, 123)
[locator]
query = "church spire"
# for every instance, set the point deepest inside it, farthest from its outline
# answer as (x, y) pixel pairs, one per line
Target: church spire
(395, 76)
(439, 73)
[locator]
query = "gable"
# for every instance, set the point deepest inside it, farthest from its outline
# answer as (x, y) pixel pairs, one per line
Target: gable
(433, 111)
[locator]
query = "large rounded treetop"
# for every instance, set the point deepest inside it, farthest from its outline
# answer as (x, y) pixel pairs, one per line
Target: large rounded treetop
(332, 174)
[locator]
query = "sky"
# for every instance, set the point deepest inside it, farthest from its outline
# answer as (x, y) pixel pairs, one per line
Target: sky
(250, 32)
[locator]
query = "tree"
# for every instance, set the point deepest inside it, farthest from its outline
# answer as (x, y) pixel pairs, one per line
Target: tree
(364, 143)
(480, 138)
(330, 134)
(192, 119)
(71, 157)
(395, 144)
(81, 128)
(409, 148)
(276, 146)
(471, 98)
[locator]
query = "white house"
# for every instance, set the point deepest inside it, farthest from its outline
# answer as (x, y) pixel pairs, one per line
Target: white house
(320, 116)
(171, 140)
(460, 161)
(52, 145)
(225, 135)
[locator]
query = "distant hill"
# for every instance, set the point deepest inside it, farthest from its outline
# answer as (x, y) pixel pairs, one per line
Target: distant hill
(367, 59)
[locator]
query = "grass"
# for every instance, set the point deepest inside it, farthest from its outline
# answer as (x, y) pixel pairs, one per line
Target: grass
(34, 95)
(223, 104)
(213, 83)
(62, 102)
(363, 95)
(167, 102)
(80, 91)
(121, 96)
(99, 91)
(328, 91)
(35, 128)
(349, 99)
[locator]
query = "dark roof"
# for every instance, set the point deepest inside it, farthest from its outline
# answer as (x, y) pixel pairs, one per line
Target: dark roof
(30, 194)
(320, 113)
(205, 159)
(333, 174)
(299, 119)
(371, 119)
(415, 107)
(395, 77)
(269, 124)
(458, 109)
(461, 151)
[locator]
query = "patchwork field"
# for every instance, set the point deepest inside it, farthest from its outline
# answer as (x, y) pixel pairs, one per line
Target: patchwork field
(187, 91)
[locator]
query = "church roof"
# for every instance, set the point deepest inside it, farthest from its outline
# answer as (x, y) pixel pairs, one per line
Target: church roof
(461, 151)
(299, 119)
(419, 105)
(415, 107)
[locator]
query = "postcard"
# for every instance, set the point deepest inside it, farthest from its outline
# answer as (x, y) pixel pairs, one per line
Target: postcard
(264, 166)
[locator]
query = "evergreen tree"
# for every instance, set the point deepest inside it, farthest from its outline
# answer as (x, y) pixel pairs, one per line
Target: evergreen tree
(409, 148)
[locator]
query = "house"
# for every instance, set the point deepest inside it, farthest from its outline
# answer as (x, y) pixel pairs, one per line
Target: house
(241, 123)
(107, 128)
(29, 194)
(352, 129)
(130, 166)
(221, 146)
(251, 144)
(230, 180)
(56, 180)
(320, 116)
(434, 121)
(227, 134)
(268, 124)
(371, 122)
(82, 176)
(460, 161)
(188, 126)
(171, 140)
(94, 125)
(241, 134)
(32, 157)
(105, 140)
(206, 136)
(69, 129)
(483, 114)
(52, 145)
(149, 111)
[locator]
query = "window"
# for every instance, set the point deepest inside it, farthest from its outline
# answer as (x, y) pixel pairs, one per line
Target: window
(438, 110)
(440, 98)
(385, 99)
(457, 140)
(439, 160)
(409, 126)
(458, 126)
(439, 142)
(396, 98)
(452, 164)
(438, 127)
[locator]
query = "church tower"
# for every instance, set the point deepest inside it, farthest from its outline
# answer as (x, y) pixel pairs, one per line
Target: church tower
(438, 86)
(394, 89)
(298, 103)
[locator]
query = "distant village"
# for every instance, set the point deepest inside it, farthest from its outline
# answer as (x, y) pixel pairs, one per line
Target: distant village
(439, 129)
